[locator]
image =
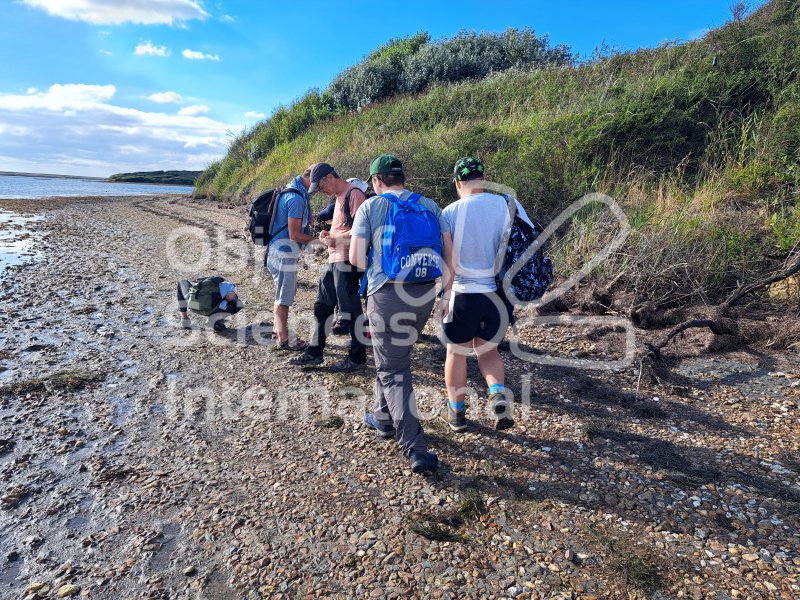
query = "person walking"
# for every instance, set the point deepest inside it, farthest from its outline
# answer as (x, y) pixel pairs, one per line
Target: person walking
(474, 316)
(399, 301)
(339, 282)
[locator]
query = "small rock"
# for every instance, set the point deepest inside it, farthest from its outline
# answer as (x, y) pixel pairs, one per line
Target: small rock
(67, 591)
(190, 570)
(34, 587)
(750, 557)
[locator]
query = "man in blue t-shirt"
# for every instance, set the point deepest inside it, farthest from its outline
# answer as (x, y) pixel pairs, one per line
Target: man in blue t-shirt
(292, 231)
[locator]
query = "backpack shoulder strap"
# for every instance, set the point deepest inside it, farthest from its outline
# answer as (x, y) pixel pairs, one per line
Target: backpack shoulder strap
(276, 198)
(348, 214)
(511, 202)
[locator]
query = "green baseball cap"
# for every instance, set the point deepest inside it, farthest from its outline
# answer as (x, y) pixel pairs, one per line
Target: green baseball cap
(468, 168)
(385, 164)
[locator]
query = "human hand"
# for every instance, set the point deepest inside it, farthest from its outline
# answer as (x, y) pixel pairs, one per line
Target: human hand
(444, 307)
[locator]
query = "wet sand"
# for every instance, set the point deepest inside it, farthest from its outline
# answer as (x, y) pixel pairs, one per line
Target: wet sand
(138, 460)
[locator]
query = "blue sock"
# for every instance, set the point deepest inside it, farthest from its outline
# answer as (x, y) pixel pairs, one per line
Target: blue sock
(497, 388)
(459, 406)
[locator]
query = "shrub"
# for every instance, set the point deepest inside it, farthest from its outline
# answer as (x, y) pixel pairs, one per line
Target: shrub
(470, 55)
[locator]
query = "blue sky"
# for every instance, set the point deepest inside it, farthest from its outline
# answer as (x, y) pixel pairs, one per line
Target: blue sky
(95, 87)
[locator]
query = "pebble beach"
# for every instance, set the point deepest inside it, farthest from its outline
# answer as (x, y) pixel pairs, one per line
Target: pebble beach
(138, 460)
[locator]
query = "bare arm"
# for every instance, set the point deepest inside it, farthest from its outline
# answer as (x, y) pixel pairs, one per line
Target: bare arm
(449, 263)
(358, 252)
(449, 273)
(296, 232)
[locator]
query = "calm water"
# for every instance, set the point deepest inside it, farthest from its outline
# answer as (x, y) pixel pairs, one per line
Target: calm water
(20, 186)
(18, 240)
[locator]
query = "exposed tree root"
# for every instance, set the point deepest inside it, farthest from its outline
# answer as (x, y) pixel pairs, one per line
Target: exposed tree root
(719, 322)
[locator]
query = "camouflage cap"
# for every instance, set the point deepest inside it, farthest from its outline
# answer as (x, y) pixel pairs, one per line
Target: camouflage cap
(468, 168)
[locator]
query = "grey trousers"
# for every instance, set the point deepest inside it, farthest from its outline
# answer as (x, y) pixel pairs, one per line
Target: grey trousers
(397, 314)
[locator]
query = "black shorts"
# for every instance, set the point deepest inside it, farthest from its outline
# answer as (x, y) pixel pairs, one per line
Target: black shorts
(476, 316)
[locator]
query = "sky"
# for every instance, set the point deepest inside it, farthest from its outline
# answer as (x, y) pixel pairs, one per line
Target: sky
(96, 87)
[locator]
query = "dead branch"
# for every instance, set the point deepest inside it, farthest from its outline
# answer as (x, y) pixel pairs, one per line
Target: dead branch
(746, 290)
(721, 325)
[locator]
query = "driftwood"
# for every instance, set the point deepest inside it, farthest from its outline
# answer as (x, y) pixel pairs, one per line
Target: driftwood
(720, 323)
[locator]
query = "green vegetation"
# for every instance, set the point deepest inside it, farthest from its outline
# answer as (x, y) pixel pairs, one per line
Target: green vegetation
(639, 573)
(332, 422)
(159, 177)
(69, 381)
(699, 142)
(472, 504)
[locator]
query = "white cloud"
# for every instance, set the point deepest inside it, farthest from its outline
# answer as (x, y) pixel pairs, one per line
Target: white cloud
(193, 55)
(197, 109)
(166, 98)
(251, 114)
(106, 53)
(112, 12)
(148, 49)
(227, 19)
(77, 129)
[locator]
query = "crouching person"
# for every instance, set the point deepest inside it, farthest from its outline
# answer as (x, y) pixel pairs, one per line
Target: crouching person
(212, 297)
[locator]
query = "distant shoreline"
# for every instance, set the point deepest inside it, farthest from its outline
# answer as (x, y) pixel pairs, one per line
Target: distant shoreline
(51, 176)
(87, 178)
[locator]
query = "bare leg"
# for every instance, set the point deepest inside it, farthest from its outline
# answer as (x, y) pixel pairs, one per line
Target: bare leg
(455, 372)
(282, 322)
(490, 362)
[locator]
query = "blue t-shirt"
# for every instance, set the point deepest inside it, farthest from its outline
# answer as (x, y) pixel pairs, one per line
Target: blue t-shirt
(291, 205)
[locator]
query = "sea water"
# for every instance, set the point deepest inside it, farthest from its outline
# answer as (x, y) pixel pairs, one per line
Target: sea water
(31, 186)
(18, 239)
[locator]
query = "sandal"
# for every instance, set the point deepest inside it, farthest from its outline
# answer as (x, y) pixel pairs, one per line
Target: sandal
(297, 345)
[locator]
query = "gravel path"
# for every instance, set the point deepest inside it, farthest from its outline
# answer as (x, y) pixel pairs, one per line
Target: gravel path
(141, 461)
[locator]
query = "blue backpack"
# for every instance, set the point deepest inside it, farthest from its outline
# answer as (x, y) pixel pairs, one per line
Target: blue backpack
(412, 241)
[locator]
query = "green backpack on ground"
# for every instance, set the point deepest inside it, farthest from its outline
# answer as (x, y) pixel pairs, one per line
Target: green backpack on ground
(204, 296)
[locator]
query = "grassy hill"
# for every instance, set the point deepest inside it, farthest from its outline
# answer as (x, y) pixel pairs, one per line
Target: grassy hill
(160, 177)
(699, 142)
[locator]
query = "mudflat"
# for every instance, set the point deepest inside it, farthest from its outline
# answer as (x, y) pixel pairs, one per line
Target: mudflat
(139, 460)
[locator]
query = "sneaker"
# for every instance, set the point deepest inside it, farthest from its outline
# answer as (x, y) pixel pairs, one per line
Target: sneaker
(220, 326)
(296, 345)
(502, 410)
(186, 323)
(347, 366)
(384, 431)
(457, 419)
(306, 360)
(423, 461)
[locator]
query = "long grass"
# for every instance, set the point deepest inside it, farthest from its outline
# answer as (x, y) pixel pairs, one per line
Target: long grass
(699, 142)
